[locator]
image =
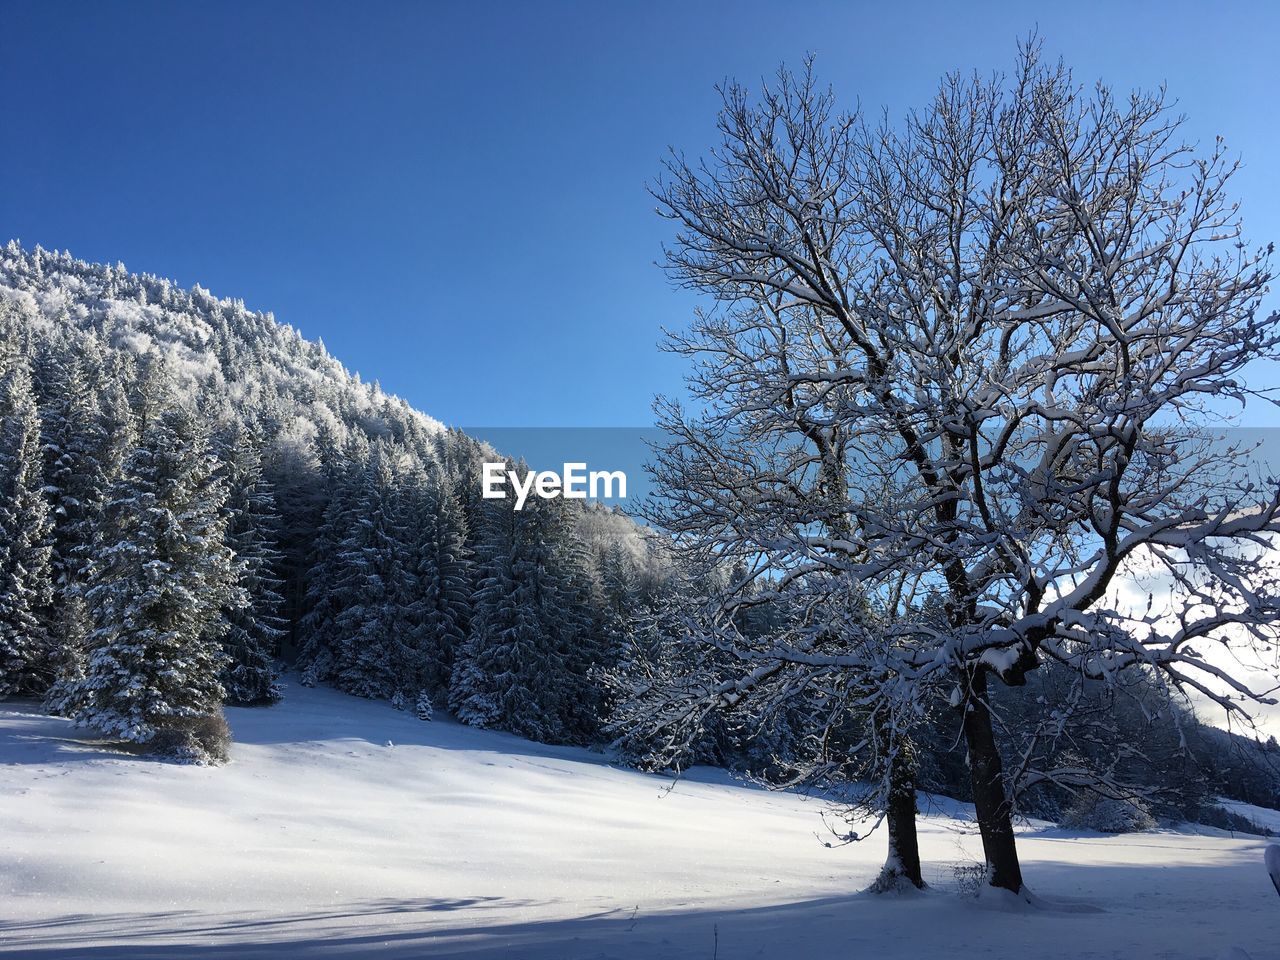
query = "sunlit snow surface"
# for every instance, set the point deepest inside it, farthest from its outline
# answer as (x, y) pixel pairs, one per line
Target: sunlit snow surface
(346, 829)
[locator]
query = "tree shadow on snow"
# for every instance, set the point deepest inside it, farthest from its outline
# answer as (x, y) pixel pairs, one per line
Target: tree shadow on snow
(30, 736)
(1184, 910)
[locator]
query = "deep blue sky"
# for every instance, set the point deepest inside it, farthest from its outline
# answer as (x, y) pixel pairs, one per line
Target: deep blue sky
(452, 195)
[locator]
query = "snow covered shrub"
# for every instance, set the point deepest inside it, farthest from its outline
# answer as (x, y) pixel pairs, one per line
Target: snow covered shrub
(314, 673)
(194, 739)
(422, 708)
(1108, 815)
(421, 703)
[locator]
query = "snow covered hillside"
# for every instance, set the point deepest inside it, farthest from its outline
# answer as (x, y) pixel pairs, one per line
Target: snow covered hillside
(344, 828)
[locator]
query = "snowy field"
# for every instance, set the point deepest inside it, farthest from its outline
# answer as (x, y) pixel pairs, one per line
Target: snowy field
(345, 829)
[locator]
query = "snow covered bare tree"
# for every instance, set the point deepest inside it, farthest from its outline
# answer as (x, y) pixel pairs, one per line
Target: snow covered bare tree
(983, 354)
(716, 663)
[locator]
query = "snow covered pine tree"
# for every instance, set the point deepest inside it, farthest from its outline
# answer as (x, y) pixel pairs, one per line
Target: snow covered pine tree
(250, 628)
(440, 566)
(159, 580)
(26, 584)
(522, 667)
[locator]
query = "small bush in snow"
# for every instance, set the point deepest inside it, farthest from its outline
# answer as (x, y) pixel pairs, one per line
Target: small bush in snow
(1108, 815)
(421, 703)
(423, 707)
(969, 879)
(194, 739)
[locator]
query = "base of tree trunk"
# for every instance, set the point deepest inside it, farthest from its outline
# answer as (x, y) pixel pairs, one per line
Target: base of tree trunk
(893, 879)
(993, 895)
(903, 860)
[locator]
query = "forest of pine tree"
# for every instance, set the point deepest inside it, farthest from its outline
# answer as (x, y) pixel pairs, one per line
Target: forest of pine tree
(193, 497)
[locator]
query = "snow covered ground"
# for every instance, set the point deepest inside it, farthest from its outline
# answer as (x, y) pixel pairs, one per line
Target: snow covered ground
(345, 829)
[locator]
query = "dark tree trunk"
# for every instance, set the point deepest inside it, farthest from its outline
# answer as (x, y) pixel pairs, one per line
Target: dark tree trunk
(995, 812)
(904, 848)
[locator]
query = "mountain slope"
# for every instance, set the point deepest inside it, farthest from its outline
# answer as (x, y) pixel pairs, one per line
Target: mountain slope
(211, 345)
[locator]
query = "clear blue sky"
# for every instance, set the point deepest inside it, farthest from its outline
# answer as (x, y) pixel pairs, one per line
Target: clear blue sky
(452, 195)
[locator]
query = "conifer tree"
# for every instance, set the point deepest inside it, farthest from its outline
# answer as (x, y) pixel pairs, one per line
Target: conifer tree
(574, 617)
(160, 578)
(619, 599)
(26, 585)
(71, 631)
(318, 626)
(513, 671)
(373, 584)
(441, 571)
(253, 628)
(15, 338)
(74, 442)
(495, 681)
(120, 430)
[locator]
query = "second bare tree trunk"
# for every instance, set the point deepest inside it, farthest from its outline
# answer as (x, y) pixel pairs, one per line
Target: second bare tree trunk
(990, 799)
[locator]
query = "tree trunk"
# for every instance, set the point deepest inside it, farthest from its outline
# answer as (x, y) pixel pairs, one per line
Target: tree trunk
(904, 848)
(995, 812)
(902, 863)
